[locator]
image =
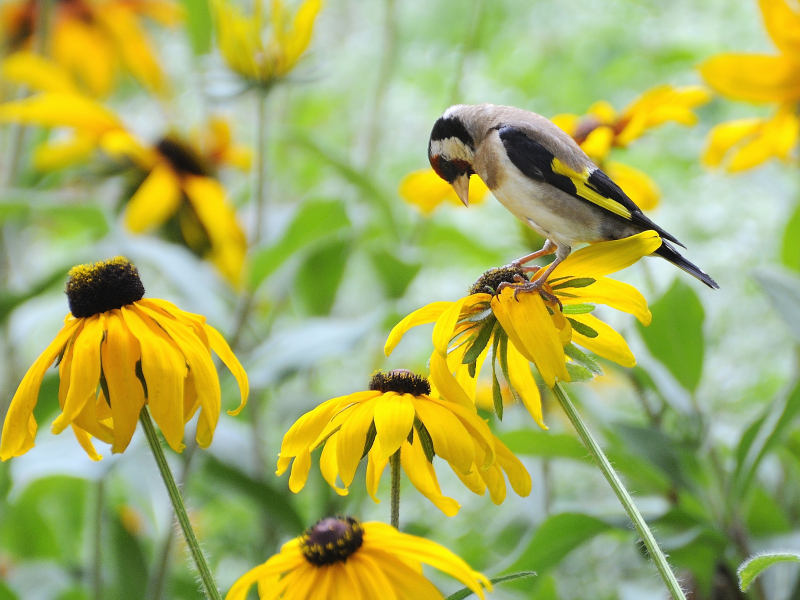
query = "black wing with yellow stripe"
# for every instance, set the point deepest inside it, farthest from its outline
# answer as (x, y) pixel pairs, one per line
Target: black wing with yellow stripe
(538, 163)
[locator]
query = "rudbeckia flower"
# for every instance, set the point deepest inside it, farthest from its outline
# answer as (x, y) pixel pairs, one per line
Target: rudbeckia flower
(534, 328)
(258, 60)
(92, 39)
(342, 559)
(116, 353)
(760, 78)
(602, 129)
(426, 190)
(401, 413)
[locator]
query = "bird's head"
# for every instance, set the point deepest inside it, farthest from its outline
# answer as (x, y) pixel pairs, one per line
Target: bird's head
(451, 150)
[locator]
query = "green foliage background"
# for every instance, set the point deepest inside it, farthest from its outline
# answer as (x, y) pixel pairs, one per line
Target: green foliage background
(704, 430)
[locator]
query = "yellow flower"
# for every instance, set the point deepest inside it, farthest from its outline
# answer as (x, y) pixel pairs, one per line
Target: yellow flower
(602, 129)
(93, 38)
(342, 559)
(426, 190)
(746, 143)
(401, 413)
(260, 61)
(530, 329)
(137, 351)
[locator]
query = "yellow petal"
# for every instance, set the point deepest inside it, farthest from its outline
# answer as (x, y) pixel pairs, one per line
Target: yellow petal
(445, 384)
(637, 185)
(50, 156)
(86, 51)
(426, 314)
(775, 138)
(155, 201)
(451, 440)
(37, 72)
(226, 355)
(608, 343)
(352, 439)
(725, 136)
(494, 480)
(598, 143)
(423, 477)
(783, 25)
(426, 190)
(601, 259)
(328, 466)
(615, 294)
(60, 110)
(517, 474)
(85, 440)
(375, 469)
(274, 567)
(120, 353)
(753, 77)
(300, 36)
(567, 122)
(475, 425)
(164, 369)
(85, 372)
(308, 427)
(394, 419)
(519, 371)
(604, 111)
(300, 468)
(19, 427)
(446, 325)
(530, 328)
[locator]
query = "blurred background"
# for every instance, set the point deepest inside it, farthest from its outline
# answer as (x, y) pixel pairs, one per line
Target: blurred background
(703, 430)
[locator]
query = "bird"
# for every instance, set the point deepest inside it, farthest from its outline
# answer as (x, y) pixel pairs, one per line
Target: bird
(543, 177)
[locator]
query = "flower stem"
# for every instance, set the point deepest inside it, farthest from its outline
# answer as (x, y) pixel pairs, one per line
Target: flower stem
(210, 588)
(260, 183)
(624, 497)
(394, 461)
(97, 567)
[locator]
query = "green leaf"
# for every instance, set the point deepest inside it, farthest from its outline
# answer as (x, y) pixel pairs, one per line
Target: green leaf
(585, 360)
(765, 516)
(534, 442)
(579, 374)
(652, 444)
(474, 351)
(315, 220)
(395, 274)
(6, 593)
(583, 329)
(556, 537)
(198, 25)
(790, 248)
(579, 282)
(497, 396)
(129, 561)
(754, 566)
(466, 592)
(783, 290)
(425, 439)
(675, 336)
(372, 433)
(319, 278)
(577, 309)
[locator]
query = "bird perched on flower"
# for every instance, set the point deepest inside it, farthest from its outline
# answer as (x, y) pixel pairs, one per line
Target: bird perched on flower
(543, 177)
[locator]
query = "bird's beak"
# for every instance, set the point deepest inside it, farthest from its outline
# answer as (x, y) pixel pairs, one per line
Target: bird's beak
(461, 186)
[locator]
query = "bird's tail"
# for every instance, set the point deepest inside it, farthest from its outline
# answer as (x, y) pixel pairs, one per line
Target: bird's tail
(669, 253)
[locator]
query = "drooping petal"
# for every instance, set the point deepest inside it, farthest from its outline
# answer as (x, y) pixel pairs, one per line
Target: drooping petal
(426, 314)
(352, 438)
(493, 478)
(776, 138)
(475, 425)
(85, 440)
(598, 143)
(519, 371)
(86, 51)
(753, 77)
(375, 468)
(85, 372)
(530, 328)
(405, 581)
(19, 428)
(446, 324)
(300, 36)
(328, 466)
(164, 369)
(155, 201)
(725, 136)
(604, 258)
(783, 25)
(394, 419)
(517, 474)
(300, 468)
(275, 566)
(120, 353)
(50, 156)
(637, 185)
(426, 190)
(446, 385)
(37, 72)
(608, 343)
(450, 438)
(423, 477)
(567, 122)
(613, 293)
(60, 110)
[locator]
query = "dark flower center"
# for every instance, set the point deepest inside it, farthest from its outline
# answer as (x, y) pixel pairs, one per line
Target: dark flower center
(491, 280)
(102, 286)
(182, 157)
(401, 381)
(331, 540)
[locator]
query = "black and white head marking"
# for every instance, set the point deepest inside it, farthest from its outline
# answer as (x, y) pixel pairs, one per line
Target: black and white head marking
(451, 147)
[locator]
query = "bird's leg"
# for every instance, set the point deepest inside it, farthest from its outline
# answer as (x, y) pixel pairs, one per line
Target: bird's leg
(548, 248)
(523, 286)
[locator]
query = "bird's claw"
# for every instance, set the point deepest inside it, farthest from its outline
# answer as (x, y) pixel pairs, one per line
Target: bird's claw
(526, 287)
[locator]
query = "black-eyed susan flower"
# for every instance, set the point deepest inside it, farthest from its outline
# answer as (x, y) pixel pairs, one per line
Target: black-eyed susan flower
(263, 61)
(92, 39)
(342, 559)
(533, 328)
(426, 190)
(117, 352)
(401, 412)
(602, 129)
(764, 79)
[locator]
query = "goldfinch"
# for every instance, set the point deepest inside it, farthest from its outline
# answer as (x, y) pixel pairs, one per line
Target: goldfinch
(544, 178)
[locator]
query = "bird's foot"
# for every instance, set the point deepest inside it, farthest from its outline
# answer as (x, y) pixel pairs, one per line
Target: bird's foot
(524, 286)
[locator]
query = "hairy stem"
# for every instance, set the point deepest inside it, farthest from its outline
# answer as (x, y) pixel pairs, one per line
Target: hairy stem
(207, 579)
(394, 461)
(619, 489)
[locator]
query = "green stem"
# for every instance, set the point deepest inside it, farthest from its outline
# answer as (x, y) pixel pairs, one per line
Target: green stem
(624, 497)
(97, 568)
(394, 461)
(210, 588)
(260, 192)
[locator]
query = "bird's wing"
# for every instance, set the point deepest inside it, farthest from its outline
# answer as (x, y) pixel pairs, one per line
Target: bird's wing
(591, 185)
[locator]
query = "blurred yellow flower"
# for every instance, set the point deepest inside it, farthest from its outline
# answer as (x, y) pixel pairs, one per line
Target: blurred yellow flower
(747, 143)
(402, 413)
(258, 60)
(137, 351)
(341, 559)
(602, 129)
(530, 328)
(426, 190)
(92, 39)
